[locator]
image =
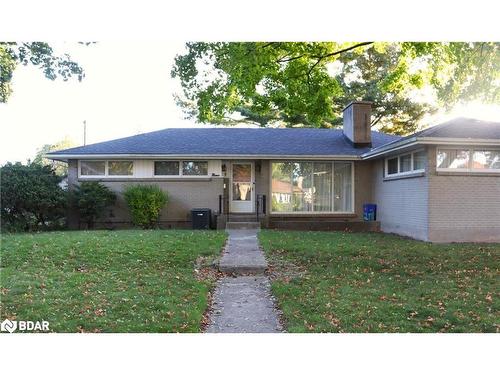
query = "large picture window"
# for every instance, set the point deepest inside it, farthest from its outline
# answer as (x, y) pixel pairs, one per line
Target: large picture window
(312, 187)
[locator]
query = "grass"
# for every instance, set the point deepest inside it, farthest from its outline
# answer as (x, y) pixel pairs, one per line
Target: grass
(373, 282)
(107, 281)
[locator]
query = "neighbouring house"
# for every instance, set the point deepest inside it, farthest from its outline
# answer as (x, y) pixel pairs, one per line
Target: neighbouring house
(441, 184)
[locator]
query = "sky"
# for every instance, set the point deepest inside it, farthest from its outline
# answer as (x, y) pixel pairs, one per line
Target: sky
(127, 90)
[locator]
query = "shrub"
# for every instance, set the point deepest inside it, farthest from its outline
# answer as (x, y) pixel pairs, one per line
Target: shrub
(91, 198)
(145, 203)
(31, 197)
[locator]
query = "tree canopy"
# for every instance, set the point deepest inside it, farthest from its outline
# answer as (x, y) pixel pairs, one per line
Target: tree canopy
(308, 84)
(36, 53)
(60, 168)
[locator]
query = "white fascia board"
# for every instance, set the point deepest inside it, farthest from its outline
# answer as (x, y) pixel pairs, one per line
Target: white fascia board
(66, 157)
(429, 141)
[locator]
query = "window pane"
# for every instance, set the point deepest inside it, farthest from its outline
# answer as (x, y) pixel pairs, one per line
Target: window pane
(281, 187)
(242, 182)
(342, 199)
(302, 187)
(419, 160)
(392, 166)
(405, 163)
(453, 159)
(486, 159)
(322, 179)
(120, 168)
(195, 168)
(166, 168)
(92, 168)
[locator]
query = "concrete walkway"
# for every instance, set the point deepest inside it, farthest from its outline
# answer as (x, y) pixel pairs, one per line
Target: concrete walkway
(242, 253)
(243, 303)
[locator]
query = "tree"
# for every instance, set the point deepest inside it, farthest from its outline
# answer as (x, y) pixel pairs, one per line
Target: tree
(60, 168)
(91, 199)
(36, 53)
(308, 84)
(31, 197)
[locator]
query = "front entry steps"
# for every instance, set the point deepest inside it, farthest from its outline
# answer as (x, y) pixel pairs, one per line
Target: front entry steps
(243, 225)
(242, 218)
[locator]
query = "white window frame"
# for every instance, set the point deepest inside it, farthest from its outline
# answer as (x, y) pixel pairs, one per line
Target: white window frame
(106, 170)
(399, 173)
(471, 156)
(181, 174)
(313, 213)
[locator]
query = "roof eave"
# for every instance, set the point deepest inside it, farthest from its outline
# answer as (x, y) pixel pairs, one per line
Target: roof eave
(66, 157)
(430, 141)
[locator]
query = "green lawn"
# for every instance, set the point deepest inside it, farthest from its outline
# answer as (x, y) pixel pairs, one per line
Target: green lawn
(108, 281)
(372, 282)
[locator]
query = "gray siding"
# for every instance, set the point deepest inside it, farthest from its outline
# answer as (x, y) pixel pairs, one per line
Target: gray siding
(402, 204)
(463, 208)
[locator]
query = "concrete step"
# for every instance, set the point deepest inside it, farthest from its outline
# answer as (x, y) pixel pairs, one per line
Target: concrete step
(242, 218)
(243, 225)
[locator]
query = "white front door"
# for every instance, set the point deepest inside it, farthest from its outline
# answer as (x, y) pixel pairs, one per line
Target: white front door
(242, 192)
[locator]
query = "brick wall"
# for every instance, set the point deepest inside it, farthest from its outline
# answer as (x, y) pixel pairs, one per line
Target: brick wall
(463, 207)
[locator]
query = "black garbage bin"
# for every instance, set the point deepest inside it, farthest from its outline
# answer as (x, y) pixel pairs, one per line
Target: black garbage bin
(200, 218)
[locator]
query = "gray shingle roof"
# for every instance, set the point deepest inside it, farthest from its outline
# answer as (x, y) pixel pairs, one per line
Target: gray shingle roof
(232, 141)
(462, 127)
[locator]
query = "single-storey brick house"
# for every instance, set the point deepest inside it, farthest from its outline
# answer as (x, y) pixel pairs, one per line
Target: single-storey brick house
(441, 184)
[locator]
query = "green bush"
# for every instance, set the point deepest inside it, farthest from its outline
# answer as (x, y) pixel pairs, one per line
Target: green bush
(145, 203)
(91, 198)
(31, 197)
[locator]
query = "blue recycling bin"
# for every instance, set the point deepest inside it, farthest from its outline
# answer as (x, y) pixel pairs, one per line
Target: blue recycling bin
(369, 212)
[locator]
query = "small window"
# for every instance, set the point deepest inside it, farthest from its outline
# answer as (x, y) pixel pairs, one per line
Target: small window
(392, 166)
(120, 168)
(405, 163)
(486, 159)
(166, 168)
(195, 168)
(92, 168)
(419, 160)
(453, 159)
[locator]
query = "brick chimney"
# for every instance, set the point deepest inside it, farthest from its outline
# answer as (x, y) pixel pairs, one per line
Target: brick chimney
(357, 120)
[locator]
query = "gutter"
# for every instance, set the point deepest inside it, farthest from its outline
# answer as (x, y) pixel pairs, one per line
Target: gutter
(66, 157)
(428, 141)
